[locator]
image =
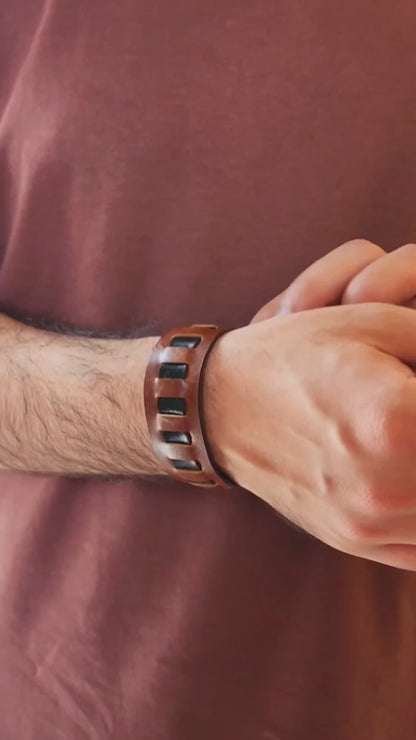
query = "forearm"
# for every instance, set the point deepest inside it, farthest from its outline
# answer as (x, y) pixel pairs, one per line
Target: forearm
(71, 405)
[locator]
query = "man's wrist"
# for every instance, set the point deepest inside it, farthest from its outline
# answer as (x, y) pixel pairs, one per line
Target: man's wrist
(172, 403)
(146, 347)
(214, 405)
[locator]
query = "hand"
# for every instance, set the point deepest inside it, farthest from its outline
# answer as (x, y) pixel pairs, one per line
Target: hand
(315, 413)
(356, 272)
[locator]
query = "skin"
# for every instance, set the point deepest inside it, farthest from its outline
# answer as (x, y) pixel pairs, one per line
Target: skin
(312, 407)
(73, 405)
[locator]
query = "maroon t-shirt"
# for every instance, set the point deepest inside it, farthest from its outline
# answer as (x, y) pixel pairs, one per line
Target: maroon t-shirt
(163, 163)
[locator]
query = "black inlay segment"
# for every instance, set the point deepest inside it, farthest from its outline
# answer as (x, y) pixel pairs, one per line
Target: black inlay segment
(173, 370)
(188, 342)
(179, 438)
(171, 406)
(186, 464)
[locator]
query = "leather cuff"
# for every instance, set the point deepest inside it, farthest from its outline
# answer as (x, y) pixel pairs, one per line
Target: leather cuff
(172, 393)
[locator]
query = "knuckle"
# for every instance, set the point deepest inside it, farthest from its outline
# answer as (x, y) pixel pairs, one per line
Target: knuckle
(354, 291)
(372, 506)
(389, 445)
(378, 500)
(357, 529)
(293, 299)
(387, 429)
(409, 249)
(389, 434)
(394, 428)
(363, 245)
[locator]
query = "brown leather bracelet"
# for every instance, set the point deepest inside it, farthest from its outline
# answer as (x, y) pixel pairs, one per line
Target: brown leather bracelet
(172, 392)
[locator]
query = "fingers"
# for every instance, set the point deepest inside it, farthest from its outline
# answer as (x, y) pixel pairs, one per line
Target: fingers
(388, 280)
(325, 282)
(389, 328)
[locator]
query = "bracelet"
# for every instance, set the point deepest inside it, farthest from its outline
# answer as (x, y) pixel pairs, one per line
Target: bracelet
(172, 393)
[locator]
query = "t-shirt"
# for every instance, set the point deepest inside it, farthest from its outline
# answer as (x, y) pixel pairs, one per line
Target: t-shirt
(164, 164)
